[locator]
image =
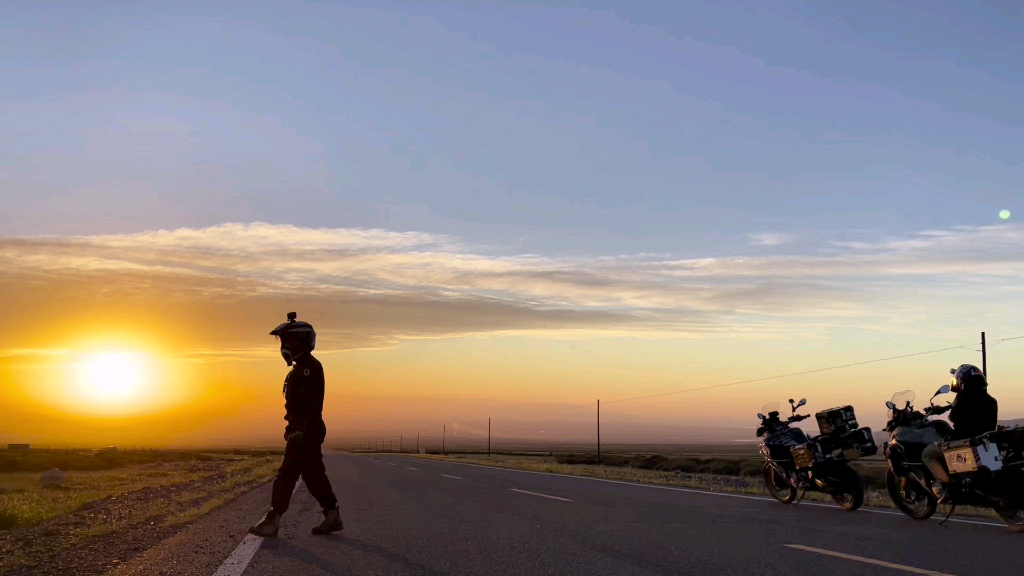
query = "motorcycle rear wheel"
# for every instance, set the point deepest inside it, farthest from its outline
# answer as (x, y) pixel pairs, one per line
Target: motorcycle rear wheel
(1013, 517)
(911, 500)
(852, 496)
(778, 487)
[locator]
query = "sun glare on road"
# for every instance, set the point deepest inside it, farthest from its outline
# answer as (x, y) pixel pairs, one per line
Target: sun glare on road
(114, 377)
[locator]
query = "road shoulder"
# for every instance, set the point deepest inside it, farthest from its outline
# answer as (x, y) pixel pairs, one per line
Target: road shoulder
(202, 546)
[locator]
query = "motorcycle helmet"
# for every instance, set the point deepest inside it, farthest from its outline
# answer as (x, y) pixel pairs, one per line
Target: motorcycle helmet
(967, 376)
(297, 338)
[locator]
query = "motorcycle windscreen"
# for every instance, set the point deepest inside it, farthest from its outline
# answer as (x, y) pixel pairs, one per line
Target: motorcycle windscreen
(902, 400)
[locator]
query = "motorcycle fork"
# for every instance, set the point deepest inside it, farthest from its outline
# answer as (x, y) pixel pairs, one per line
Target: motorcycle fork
(910, 474)
(781, 471)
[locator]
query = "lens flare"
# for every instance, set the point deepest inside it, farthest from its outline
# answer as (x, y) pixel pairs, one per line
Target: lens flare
(1004, 214)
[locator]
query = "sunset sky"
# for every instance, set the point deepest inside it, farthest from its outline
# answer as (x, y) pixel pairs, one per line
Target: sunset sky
(502, 209)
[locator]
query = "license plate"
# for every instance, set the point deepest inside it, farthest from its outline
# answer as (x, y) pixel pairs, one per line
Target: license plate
(851, 453)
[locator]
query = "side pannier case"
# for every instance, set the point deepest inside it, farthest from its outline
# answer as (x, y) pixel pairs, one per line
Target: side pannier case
(859, 443)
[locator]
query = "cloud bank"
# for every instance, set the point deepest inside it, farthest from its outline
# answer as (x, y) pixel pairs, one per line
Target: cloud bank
(368, 288)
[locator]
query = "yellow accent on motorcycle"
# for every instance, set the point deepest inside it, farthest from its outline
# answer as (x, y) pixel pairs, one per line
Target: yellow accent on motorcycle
(802, 456)
(851, 454)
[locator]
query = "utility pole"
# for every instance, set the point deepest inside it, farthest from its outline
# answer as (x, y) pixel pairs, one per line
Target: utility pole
(598, 430)
(488, 436)
(984, 357)
(417, 442)
(444, 429)
(399, 444)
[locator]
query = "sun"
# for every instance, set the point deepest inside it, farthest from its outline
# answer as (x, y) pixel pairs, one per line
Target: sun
(114, 377)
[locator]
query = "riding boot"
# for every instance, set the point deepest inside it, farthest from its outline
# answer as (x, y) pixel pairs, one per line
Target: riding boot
(268, 526)
(331, 523)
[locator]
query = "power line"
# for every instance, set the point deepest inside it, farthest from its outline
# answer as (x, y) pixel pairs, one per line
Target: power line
(814, 371)
(990, 346)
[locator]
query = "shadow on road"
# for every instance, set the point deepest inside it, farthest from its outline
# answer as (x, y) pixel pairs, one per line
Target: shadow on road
(371, 554)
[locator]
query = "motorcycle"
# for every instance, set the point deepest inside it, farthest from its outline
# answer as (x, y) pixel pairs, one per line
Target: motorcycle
(985, 471)
(796, 462)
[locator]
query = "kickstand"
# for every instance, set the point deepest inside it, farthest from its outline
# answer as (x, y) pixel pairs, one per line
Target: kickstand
(951, 510)
(800, 497)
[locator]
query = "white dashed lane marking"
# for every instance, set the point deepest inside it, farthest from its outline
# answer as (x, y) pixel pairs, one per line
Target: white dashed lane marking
(539, 494)
(910, 569)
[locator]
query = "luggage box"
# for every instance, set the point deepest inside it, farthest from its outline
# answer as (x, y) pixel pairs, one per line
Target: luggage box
(836, 420)
(859, 443)
(962, 457)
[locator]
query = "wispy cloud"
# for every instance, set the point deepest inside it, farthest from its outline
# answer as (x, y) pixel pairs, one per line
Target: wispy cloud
(373, 288)
(771, 238)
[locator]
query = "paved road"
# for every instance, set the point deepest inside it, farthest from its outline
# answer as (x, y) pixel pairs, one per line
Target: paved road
(408, 516)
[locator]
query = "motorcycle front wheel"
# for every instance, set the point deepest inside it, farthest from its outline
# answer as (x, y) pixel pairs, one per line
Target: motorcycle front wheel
(778, 486)
(909, 496)
(852, 495)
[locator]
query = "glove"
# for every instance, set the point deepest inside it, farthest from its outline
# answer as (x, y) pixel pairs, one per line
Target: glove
(294, 437)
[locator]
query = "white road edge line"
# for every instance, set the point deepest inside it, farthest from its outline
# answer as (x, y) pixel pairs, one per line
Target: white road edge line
(706, 492)
(868, 560)
(538, 494)
(456, 477)
(239, 559)
(411, 468)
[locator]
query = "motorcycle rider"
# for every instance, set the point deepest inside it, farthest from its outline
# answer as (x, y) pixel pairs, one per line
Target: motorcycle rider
(304, 433)
(972, 413)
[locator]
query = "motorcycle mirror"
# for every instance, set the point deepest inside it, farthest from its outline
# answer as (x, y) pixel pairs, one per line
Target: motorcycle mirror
(790, 400)
(943, 390)
(890, 405)
(760, 416)
(801, 402)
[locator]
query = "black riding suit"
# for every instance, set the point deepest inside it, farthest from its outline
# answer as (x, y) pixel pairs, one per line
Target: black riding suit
(974, 413)
(304, 405)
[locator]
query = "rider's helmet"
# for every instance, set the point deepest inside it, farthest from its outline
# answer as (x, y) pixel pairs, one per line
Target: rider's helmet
(297, 338)
(967, 377)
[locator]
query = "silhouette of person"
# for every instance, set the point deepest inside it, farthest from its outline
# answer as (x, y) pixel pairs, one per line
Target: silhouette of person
(973, 413)
(304, 434)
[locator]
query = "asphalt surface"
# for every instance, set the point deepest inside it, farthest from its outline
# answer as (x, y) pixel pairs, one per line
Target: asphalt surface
(405, 515)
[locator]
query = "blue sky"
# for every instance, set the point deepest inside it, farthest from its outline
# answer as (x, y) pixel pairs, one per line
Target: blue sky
(694, 193)
(556, 129)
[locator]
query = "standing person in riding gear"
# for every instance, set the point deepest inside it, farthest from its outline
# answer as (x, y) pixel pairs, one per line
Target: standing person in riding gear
(304, 433)
(973, 413)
